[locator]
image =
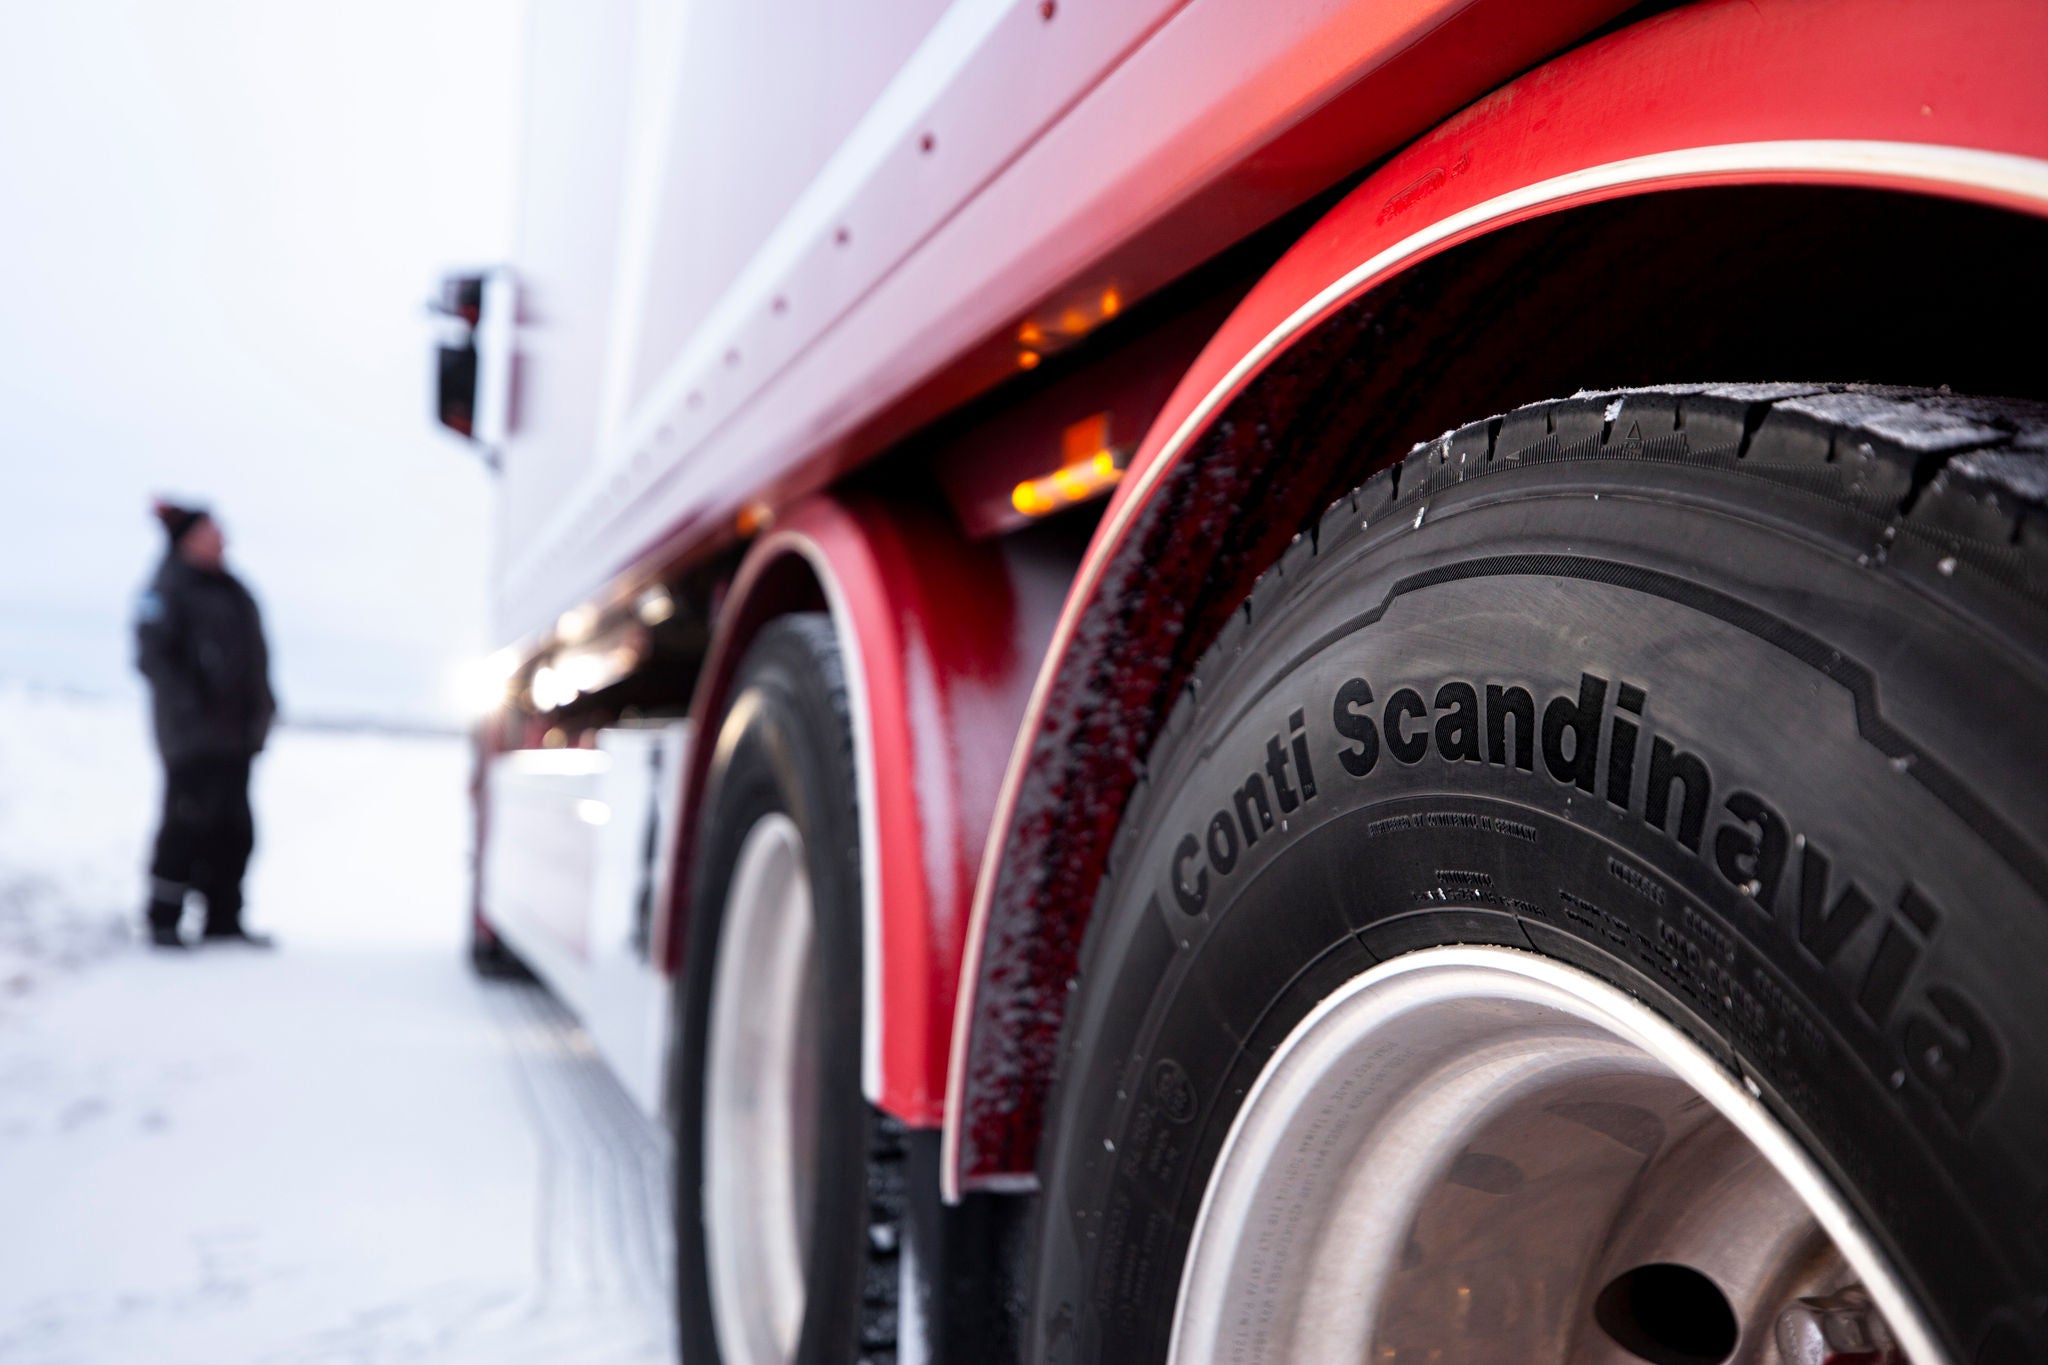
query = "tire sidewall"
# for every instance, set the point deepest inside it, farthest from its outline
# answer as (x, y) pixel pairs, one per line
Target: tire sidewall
(789, 756)
(1185, 992)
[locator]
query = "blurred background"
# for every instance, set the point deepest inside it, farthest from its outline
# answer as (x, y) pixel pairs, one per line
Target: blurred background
(222, 220)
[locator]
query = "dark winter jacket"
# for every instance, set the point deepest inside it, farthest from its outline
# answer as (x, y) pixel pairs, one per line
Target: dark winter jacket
(199, 641)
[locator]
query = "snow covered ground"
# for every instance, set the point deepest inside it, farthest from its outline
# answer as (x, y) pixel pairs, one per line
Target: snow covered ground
(347, 1150)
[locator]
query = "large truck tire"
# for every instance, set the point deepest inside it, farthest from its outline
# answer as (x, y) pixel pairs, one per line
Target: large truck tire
(789, 1187)
(1590, 904)
(490, 957)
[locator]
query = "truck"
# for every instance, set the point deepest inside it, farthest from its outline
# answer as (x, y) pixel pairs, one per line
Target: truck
(1287, 680)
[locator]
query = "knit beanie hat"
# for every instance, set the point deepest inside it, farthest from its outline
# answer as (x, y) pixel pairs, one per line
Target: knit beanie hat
(178, 520)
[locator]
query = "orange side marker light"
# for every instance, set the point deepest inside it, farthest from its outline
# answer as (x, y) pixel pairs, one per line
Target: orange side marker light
(1089, 468)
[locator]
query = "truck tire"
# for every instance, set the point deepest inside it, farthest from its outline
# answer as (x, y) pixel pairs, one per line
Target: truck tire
(1591, 902)
(490, 957)
(789, 1189)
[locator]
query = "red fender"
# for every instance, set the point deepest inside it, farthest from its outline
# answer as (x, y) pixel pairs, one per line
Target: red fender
(1936, 96)
(941, 638)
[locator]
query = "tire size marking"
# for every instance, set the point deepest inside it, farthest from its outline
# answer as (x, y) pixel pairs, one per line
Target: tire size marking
(1948, 1043)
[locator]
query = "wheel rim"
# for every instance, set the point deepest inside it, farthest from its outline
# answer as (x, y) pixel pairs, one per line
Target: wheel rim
(760, 1110)
(1476, 1155)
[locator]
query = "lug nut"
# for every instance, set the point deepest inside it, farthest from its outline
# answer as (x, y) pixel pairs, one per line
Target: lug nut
(1839, 1329)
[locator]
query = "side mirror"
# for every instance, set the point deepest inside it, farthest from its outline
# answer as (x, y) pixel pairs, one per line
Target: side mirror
(455, 386)
(473, 357)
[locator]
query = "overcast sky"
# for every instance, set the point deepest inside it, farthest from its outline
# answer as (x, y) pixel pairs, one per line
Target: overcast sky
(218, 224)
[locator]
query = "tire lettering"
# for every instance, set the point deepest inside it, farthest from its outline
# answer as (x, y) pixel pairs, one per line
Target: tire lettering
(1621, 745)
(1669, 766)
(1222, 843)
(1580, 720)
(1403, 706)
(1502, 705)
(1350, 720)
(1950, 1047)
(1885, 978)
(1191, 899)
(1250, 796)
(1823, 931)
(1298, 737)
(1752, 861)
(1457, 725)
(1636, 880)
(1952, 1051)
(1276, 768)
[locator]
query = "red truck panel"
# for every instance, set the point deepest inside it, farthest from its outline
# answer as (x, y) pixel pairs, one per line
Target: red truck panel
(1925, 95)
(942, 638)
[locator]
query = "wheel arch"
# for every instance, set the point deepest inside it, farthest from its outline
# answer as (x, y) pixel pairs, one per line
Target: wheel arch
(1918, 103)
(941, 638)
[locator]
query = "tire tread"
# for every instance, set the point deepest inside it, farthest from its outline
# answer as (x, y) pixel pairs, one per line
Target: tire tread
(1949, 489)
(1952, 476)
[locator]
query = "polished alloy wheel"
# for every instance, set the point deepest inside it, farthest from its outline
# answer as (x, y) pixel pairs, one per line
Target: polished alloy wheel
(761, 1100)
(1479, 1155)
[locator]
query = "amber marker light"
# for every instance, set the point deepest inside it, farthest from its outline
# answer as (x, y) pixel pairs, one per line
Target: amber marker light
(1090, 469)
(1036, 337)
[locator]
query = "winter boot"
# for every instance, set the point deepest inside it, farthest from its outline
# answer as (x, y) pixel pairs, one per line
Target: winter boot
(245, 937)
(224, 922)
(166, 908)
(233, 932)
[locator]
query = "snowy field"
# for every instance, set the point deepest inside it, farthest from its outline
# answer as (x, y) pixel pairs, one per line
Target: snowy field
(347, 1150)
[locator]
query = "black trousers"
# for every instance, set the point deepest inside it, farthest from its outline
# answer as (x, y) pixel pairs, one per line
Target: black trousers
(204, 841)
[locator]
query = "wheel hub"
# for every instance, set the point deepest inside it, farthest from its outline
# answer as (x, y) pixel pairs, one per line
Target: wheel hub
(761, 1084)
(1480, 1155)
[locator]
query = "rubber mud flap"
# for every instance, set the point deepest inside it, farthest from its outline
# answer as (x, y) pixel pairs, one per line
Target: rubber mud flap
(1733, 696)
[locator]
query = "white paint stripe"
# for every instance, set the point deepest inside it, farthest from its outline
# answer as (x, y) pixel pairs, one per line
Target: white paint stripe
(867, 797)
(1903, 163)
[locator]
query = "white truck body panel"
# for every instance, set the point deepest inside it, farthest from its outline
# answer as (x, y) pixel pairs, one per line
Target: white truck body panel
(577, 864)
(740, 242)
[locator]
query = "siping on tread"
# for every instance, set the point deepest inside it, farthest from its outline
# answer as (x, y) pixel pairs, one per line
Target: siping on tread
(1945, 491)
(1959, 479)
(1968, 476)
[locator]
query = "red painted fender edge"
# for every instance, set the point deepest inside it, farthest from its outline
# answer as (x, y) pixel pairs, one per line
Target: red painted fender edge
(941, 639)
(1941, 97)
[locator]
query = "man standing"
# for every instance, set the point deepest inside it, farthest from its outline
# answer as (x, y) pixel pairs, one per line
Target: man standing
(199, 641)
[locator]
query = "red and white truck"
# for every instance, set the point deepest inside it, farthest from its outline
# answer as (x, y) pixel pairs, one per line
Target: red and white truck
(1295, 681)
